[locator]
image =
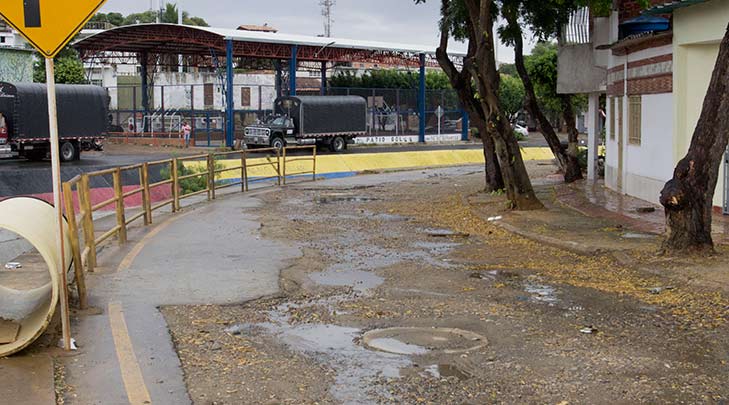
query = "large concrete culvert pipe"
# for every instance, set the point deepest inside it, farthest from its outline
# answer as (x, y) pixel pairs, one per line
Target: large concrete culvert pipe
(28, 294)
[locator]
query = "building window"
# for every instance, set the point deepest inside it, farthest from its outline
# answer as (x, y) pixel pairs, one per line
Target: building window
(209, 95)
(613, 114)
(2, 40)
(635, 117)
(245, 96)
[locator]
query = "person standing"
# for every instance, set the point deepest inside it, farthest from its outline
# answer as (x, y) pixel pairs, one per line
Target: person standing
(186, 130)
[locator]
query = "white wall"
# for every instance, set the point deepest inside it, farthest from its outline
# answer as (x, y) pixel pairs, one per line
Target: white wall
(649, 166)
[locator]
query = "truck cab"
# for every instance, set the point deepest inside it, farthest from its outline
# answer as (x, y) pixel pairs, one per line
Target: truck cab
(276, 131)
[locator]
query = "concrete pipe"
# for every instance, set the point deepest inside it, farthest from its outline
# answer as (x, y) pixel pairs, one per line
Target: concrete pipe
(29, 286)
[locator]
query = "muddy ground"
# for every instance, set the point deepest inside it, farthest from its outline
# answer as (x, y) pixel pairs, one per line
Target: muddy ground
(544, 325)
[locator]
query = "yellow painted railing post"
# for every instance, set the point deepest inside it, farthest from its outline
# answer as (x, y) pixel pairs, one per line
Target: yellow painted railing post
(75, 249)
(284, 165)
(175, 187)
(87, 222)
(146, 195)
(314, 169)
(244, 171)
(211, 177)
(278, 165)
(119, 195)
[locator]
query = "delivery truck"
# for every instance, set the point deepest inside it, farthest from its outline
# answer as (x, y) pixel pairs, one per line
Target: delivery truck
(83, 120)
(332, 121)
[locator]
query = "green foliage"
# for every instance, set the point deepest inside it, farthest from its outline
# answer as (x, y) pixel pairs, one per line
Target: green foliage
(542, 68)
(511, 95)
(389, 79)
(508, 69)
(193, 184)
(68, 68)
(519, 136)
(169, 15)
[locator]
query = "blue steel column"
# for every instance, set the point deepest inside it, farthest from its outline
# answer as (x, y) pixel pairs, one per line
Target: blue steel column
(292, 70)
(229, 116)
(323, 90)
(145, 91)
(421, 99)
(465, 124)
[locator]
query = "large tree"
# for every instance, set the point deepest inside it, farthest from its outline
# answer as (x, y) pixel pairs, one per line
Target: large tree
(688, 197)
(474, 20)
(544, 20)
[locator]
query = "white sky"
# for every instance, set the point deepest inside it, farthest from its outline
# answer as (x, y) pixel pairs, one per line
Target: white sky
(378, 20)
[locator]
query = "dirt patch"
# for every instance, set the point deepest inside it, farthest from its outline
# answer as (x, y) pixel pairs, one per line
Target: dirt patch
(559, 326)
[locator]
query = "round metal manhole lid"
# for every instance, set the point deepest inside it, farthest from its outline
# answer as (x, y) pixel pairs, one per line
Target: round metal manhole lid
(415, 341)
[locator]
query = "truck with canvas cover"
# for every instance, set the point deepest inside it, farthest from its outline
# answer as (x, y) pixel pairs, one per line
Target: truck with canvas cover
(83, 120)
(332, 121)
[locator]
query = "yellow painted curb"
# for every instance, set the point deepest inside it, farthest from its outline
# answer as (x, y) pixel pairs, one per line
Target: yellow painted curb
(356, 163)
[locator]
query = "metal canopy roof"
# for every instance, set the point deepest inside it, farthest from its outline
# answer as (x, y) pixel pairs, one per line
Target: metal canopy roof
(670, 6)
(202, 41)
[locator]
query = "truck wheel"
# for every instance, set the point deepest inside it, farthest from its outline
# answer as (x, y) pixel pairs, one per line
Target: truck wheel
(278, 143)
(69, 151)
(338, 144)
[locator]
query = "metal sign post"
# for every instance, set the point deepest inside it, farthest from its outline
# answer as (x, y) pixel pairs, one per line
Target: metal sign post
(56, 173)
(49, 26)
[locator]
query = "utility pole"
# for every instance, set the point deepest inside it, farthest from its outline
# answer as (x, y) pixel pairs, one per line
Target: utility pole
(326, 12)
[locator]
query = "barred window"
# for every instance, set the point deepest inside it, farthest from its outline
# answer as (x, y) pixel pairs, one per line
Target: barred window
(634, 135)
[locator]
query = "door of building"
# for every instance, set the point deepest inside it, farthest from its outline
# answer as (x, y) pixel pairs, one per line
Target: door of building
(621, 145)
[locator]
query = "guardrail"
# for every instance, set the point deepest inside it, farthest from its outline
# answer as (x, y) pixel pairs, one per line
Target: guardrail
(83, 229)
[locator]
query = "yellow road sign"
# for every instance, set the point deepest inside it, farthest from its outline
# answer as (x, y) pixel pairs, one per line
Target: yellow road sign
(48, 24)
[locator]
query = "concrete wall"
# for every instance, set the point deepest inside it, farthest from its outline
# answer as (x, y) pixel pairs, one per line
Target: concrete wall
(697, 32)
(185, 90)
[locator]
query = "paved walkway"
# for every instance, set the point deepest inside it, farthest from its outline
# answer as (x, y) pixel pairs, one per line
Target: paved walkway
(595, 200)
(209, 254)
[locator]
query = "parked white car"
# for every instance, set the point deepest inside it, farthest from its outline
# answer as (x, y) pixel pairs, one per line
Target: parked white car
(521, 130)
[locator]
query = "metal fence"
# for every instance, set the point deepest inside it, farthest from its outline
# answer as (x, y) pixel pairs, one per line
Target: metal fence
(391, 112)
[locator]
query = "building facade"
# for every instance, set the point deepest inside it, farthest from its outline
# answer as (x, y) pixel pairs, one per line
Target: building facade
(656, 66)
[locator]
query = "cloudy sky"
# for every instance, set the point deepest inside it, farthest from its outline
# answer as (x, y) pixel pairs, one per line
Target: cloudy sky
(378, 20)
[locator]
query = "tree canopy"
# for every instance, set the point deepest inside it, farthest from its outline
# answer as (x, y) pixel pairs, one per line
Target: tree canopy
(390, 79)
(68, 68)
(169, 15)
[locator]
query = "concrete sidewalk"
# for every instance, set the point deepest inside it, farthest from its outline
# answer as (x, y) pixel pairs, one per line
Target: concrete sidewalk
(589, 219)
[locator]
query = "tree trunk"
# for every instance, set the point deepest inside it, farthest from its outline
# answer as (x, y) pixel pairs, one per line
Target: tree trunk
(688, 196)
(573, 171)
(531, 104)
(462, 82)
(482, 66)
(494, 180)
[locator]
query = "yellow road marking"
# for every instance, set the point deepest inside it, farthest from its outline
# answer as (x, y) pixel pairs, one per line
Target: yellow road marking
(131, 373)
(137, 249)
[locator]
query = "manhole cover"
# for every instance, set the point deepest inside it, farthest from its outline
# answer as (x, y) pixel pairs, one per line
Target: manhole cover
(415, 341)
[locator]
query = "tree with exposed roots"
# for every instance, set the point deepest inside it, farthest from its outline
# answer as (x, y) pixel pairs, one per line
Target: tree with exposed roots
(688, 197)
(474, 20)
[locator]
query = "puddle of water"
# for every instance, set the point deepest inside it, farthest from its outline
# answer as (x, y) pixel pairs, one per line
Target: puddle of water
(359, 280)
(356, 367)
(436, 247)
(635, 235)
(541, 292)
(445, 371)
(443, 233)
(336, 198)
(392, 345)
